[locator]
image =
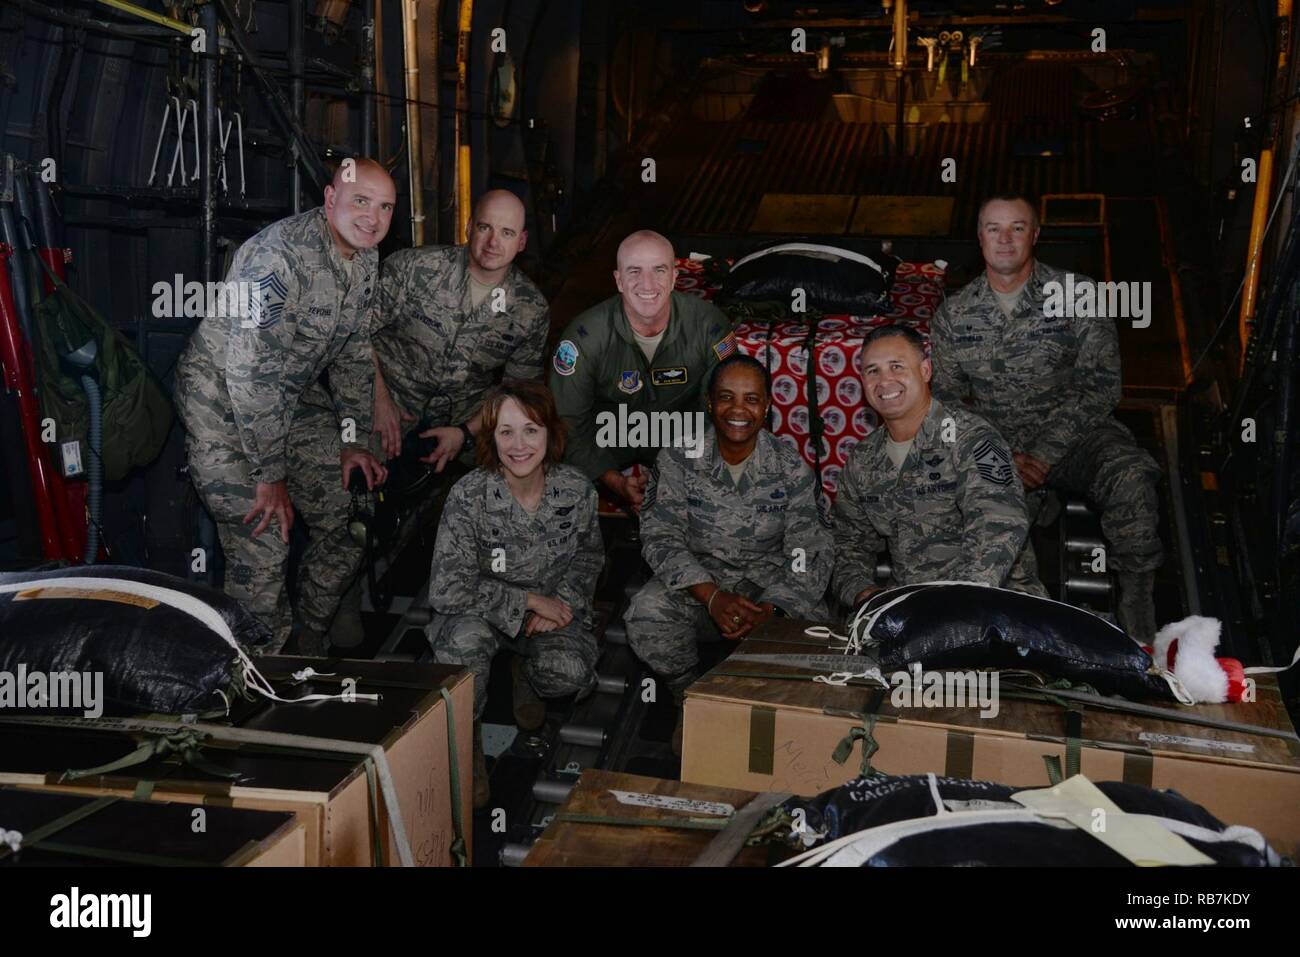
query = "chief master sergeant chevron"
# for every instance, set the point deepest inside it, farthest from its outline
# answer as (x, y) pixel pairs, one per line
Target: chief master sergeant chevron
(649, 349)
(255, 450)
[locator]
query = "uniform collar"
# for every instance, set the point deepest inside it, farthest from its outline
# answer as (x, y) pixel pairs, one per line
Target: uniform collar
(931, 427)
(466, 300)
(624, 328)
(556, 494)
(715, 466)
(1030, 292)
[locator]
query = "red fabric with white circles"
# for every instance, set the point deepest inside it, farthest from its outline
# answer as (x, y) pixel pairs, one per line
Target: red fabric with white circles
(917, 293)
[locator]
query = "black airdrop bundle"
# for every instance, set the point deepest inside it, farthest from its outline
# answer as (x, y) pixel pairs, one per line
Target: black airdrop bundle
(162, 644)
(900, 823)
(949, 626)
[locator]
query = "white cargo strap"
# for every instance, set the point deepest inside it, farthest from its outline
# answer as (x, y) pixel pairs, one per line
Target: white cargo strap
(195, 608)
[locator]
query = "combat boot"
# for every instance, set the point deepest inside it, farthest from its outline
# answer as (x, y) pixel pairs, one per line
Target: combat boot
(677, 686)
(1137, 610)
(482, 787)
(530, 710)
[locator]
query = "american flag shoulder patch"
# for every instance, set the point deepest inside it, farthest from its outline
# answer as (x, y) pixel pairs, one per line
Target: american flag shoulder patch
(726, 347)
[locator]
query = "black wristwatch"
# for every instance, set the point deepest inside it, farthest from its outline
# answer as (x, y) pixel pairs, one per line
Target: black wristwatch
(469, 436)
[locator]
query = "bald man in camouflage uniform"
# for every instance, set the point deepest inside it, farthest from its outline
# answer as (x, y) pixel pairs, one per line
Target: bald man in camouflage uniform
(257, 450)
(944, 499)
(449, 323)
(1050, 385)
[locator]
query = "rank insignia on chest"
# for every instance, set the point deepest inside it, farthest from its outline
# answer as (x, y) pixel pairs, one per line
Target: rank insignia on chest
(630, 382)
(675, 375)
(993, 463)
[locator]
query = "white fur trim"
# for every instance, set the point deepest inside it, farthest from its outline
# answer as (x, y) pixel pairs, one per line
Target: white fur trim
(1194, 662)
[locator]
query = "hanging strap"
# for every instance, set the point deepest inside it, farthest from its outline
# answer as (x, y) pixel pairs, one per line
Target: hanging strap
(453, 764)
(870, 746)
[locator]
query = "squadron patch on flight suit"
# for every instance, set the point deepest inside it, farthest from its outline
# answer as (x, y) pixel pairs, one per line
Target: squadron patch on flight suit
(566, 358)
(993, 463)
(630, 382)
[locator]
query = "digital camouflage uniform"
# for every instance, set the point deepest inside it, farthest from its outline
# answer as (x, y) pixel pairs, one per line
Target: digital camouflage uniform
(1050, 386)
(598, 366)
(490, 553)
(763, 539)
(440, 355)
(248, 394)
(954, 510)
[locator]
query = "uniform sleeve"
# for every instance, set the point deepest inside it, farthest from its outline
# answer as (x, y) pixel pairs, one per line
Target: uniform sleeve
(809, 551)
(665, 527)
(578, 586)
(459, 585)
(950, 384)
(352, 380)
(575, 400)
(1093, 394)
(992, 504)
(857, 545)
(262, 396)
(394, 278)
(526, 361)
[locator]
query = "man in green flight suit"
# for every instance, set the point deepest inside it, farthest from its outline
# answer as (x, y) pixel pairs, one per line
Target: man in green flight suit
(628, 368)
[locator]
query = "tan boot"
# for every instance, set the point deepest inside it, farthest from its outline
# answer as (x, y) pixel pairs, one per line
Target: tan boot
(482, 788)
(530, 710)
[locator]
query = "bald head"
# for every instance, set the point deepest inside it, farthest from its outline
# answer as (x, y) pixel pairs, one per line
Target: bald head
(496, 235)
(644, 241)
(645, 276)
(359, 205)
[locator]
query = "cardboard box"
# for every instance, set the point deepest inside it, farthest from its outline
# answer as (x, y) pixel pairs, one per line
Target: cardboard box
(330, 794)
(778, 734)
(144, 833)
(573, 844)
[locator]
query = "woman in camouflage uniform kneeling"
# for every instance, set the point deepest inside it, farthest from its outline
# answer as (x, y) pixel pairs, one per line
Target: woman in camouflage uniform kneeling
(515, 563)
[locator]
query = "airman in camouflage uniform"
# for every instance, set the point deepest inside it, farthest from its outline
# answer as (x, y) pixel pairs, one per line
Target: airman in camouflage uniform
(953, 511)
(255, 445)
(601, 362)
(449, 322)
(1050, 385)
(490, 553)
(763, 539)
(438, 349)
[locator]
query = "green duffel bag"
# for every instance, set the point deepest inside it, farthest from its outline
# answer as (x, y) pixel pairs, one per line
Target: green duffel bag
(137, 413)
